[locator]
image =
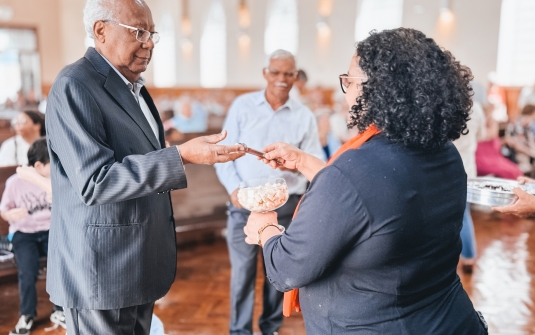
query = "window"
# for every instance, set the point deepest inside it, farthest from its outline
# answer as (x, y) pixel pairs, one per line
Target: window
(377, 15)
(516, 46)
(19, 64)
(214, 47)
(282, 29)
(165, 74)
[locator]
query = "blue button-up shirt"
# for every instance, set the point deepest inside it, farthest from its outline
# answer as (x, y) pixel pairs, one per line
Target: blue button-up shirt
(252, 121)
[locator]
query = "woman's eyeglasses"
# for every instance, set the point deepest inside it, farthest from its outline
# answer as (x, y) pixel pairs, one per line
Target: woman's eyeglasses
(345, 81)
(18, 122)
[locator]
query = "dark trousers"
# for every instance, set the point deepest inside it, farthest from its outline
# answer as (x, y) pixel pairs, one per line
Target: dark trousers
(28, 248)
(243, 260)
(133, 320)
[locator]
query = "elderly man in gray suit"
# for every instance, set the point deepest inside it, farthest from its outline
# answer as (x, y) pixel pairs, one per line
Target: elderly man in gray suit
(112, 238)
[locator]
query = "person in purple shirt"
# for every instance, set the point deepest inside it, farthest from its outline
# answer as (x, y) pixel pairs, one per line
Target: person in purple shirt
(27, 209)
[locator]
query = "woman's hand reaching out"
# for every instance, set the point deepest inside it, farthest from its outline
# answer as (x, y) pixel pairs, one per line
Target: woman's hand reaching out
(286, 154)
(292, 158)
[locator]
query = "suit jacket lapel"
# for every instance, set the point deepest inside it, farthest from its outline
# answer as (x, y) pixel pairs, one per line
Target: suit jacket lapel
(148, 99)
(119, 91)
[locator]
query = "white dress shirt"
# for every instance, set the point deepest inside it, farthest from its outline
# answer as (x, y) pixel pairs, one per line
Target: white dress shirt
(14, 151)
(467, 144)
(135, 90)
(252, 121)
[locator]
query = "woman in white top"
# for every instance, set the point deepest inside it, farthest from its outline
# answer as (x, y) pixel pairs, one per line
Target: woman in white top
(467, 146)
(29, 126)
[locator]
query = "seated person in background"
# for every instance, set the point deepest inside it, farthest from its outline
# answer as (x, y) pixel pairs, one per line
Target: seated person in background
(329, 143)
(527, 96)
(520, 139)
(26, 208)
(29, 126)
(189, 117)
(489, 159)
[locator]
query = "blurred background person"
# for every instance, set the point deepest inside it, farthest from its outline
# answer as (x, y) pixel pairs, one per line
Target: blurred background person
(489, 158)
(257, 119)
(28, 126)
(329, 142)
(298, 89)
(520, 140)
(189, 116)
(467, 146)
(526, 97)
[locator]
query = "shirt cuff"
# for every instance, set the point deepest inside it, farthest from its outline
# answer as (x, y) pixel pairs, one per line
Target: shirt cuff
(181, 161)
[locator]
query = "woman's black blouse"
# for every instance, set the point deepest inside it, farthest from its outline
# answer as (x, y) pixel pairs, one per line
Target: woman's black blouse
(375, 244)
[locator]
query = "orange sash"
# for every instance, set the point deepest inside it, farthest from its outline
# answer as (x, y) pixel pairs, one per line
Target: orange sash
(291, 298)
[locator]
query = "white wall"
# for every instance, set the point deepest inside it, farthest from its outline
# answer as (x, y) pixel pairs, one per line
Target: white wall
(473, 39)
(72, 30)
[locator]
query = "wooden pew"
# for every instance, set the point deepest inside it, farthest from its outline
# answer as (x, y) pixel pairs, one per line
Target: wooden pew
(8, 270)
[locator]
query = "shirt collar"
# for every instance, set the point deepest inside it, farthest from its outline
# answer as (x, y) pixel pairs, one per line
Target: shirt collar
(137, 84)
(261, 99)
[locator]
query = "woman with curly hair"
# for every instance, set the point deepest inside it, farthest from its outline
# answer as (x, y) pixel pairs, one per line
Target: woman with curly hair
(374, 245)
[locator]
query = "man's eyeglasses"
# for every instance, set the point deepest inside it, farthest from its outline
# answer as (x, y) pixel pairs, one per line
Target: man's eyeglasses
(289, 75)
(141, 34)
(345, 83)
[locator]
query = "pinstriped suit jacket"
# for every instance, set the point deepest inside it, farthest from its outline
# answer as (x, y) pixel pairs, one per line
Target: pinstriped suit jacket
(112, 238)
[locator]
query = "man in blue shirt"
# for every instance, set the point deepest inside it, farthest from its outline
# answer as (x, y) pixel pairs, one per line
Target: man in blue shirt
(258, 119)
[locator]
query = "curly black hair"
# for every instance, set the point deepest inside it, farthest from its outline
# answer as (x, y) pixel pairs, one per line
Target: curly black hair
(416, 93)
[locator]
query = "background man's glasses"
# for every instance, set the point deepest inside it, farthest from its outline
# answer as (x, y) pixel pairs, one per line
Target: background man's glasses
(345, 81)
(289, 75)
(141, 34)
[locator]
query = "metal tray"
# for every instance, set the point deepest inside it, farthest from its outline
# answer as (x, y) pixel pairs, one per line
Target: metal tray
(493, 198)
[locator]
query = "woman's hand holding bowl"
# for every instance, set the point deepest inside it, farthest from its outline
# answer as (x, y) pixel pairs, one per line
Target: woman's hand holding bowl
(257, 221)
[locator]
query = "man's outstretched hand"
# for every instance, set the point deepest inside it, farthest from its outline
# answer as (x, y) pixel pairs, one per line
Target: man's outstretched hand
(205, 150)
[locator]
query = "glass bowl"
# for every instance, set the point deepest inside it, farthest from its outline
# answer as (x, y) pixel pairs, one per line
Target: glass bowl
(263, 194)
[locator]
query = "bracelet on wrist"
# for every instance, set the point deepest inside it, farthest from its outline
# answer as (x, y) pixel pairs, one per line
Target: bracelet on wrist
(269, 224)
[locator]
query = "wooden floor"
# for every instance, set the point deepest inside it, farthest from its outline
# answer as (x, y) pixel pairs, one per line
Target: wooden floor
(502, 286)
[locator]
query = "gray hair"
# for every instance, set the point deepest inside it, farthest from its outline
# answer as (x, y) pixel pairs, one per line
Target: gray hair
(96, 10)
(281, 54)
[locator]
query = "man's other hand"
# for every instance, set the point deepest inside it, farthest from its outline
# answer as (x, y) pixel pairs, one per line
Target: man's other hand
(205, 150)
(234, 199)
